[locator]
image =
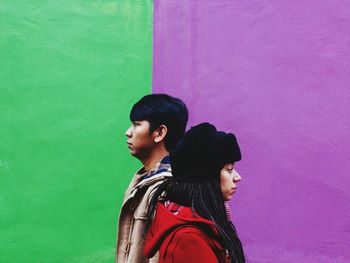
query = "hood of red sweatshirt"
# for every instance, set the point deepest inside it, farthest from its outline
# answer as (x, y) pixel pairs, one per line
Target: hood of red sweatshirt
(171, 216)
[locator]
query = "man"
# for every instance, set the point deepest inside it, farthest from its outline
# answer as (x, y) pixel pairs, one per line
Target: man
(158, 123)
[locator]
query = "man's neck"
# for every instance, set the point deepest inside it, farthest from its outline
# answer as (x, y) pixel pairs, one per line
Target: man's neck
(154, 158)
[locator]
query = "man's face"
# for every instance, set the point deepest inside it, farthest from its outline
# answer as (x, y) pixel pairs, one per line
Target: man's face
(139, 139)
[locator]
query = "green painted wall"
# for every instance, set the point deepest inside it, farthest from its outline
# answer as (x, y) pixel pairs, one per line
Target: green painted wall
(69, 72)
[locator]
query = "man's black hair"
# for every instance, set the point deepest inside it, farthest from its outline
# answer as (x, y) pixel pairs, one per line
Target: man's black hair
(162, 109)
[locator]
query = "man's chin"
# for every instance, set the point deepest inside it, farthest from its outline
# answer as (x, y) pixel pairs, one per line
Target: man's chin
(134, 154)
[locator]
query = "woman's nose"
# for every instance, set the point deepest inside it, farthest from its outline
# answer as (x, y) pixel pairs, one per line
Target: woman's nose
(236, 177)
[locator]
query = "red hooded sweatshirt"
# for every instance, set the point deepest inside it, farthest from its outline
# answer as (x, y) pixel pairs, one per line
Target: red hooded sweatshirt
(182, 237)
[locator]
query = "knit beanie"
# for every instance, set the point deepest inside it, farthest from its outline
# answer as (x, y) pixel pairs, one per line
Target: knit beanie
(203, 152)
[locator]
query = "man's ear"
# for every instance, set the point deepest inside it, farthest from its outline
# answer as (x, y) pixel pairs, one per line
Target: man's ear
(160, 133)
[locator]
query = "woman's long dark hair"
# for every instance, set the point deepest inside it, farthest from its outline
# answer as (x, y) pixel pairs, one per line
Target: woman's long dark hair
(205, 198)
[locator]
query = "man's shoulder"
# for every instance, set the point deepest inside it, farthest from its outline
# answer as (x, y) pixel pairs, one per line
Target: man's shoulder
(139, 185)
(155, 178)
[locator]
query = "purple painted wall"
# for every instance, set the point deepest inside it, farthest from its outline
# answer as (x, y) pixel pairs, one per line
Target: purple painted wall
(278, 75)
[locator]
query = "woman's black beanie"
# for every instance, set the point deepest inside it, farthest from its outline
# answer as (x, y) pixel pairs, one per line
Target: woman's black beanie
(203, 152)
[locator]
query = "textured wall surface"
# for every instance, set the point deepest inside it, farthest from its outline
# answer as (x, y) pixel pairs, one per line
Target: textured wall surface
(278, 75)
(69, 73)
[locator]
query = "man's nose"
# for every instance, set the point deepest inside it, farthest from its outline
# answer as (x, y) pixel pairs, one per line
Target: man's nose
(128, 132)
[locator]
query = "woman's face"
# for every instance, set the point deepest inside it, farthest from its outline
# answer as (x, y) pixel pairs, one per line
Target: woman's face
(228, 181)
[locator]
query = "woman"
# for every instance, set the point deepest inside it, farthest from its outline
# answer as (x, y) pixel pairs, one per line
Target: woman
(191, 223)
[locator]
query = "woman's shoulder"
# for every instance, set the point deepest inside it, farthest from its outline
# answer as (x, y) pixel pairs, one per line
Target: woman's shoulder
(191, 244)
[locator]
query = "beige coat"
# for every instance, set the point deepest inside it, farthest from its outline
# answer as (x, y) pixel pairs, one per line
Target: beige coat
(133, 216)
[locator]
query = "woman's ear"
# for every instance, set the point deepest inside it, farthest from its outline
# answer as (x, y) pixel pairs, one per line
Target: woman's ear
(160, 133)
